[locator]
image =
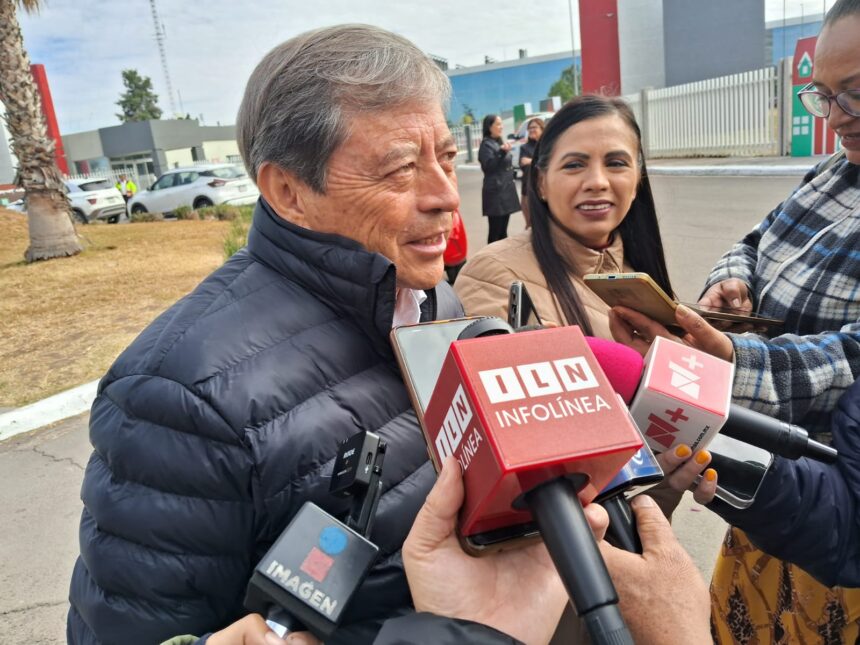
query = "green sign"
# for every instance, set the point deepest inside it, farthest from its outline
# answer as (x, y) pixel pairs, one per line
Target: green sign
(801, 127)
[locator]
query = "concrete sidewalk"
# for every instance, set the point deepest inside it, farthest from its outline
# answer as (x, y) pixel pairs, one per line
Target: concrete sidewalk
(41, 508)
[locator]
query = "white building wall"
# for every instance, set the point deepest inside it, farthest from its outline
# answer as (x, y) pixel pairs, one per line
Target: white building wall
(640, 45)
(179, 158)
(8, 161)
(220, 151)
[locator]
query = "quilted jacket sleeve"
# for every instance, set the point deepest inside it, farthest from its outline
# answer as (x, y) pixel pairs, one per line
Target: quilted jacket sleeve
(168, 525)
(807, 512)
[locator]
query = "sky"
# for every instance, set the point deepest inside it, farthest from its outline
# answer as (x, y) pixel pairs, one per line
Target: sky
(213, 46)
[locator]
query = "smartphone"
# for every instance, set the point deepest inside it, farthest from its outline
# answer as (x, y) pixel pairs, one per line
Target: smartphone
(420, 350)
(740, 467)
(760, 324)
(636, 291)
(521, 309)
(639, 292)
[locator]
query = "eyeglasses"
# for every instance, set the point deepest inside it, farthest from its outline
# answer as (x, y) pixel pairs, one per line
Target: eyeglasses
(818, 103)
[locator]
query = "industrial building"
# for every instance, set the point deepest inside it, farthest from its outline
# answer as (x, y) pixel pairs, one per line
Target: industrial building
(629, 45)
(149, 148)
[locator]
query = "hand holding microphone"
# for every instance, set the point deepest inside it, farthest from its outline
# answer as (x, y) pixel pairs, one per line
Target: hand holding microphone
(663, 597)
(516, 591)
(685, 471)
(519, 593)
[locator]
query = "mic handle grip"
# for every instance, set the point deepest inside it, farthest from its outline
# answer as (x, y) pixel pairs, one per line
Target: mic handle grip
(622, 531)
(781, 438)
(577, 559)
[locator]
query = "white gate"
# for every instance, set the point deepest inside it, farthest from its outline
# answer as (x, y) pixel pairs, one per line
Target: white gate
(735, 115)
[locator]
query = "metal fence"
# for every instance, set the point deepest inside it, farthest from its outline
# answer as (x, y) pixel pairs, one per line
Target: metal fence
(746, 114)
(737, 115)
(459, 132)
(141, 181)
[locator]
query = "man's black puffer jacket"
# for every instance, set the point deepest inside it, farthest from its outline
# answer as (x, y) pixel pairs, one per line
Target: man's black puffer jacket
(223, 417)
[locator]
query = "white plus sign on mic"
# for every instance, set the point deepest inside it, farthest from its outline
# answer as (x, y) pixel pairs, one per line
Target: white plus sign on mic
(692, 362)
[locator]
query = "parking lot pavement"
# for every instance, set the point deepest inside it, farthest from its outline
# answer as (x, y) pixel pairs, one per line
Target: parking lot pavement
(40, 506)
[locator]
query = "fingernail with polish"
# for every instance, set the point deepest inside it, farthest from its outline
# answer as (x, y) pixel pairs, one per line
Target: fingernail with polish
(683, 451)
(703, 457)
(710, 474)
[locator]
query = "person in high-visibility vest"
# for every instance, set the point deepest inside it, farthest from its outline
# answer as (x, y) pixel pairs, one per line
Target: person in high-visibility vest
(127, 187)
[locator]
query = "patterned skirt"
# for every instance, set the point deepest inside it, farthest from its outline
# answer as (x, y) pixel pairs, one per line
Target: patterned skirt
(757, 599)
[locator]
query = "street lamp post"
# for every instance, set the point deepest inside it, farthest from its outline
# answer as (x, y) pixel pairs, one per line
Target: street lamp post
(572, 47)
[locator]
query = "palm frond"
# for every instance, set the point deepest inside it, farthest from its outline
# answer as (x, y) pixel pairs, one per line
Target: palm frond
(30, 6)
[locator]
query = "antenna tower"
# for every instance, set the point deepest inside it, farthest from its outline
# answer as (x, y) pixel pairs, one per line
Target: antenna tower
(160, 37)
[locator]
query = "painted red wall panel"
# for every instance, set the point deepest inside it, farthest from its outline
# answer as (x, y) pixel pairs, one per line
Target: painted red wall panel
(598, 29)
(41, 78)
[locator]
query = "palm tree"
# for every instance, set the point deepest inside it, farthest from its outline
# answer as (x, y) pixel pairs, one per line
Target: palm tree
(52, 233)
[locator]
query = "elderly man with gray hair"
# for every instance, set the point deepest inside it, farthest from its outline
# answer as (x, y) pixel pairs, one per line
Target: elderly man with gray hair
(224, 416)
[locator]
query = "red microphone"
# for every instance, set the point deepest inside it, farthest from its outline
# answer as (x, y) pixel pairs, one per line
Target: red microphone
(538, 430)
(519, 409)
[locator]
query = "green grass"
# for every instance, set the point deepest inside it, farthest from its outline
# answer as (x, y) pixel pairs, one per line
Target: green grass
(237, 235)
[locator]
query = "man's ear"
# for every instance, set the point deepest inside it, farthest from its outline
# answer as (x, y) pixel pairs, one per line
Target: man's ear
(284, 192)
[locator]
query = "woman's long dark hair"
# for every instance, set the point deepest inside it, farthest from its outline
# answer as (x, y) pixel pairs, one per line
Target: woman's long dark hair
(639, 230)
(487, 123)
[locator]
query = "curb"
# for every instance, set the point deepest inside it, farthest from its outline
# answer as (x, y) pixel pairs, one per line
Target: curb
(41, 413)
(731, 171)
(711, 171)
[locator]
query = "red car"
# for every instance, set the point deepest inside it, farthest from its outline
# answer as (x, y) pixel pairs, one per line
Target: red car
(455, 253)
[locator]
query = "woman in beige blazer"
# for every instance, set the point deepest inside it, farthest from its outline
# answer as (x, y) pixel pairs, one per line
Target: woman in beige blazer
(592, 212)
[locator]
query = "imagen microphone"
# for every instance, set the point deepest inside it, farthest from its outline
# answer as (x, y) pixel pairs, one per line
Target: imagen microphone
(310, 574)
(538, 431)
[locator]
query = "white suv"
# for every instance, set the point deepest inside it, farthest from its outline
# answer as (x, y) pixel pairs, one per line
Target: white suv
(197, 186)
(94, 199)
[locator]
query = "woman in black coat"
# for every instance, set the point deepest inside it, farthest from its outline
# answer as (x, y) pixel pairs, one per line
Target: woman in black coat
(499, 194)
(527, 153)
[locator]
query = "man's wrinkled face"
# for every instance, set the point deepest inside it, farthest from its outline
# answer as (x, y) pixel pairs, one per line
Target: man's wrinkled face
(391, 186)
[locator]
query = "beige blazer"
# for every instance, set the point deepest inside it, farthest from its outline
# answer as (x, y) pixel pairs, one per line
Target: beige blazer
(483, 283)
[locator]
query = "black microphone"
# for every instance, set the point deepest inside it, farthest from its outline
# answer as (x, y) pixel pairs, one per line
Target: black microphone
(641, 470)
(310, 574)
(779, 437)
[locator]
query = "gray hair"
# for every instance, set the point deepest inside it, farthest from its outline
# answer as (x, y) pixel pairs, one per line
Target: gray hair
(841, 9)
(300, 98)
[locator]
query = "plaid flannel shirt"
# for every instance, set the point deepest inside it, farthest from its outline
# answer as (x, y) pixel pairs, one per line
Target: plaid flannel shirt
(802, 265)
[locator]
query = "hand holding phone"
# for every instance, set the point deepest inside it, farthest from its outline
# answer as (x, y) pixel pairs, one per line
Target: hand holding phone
(639, 292)
(731, 294)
